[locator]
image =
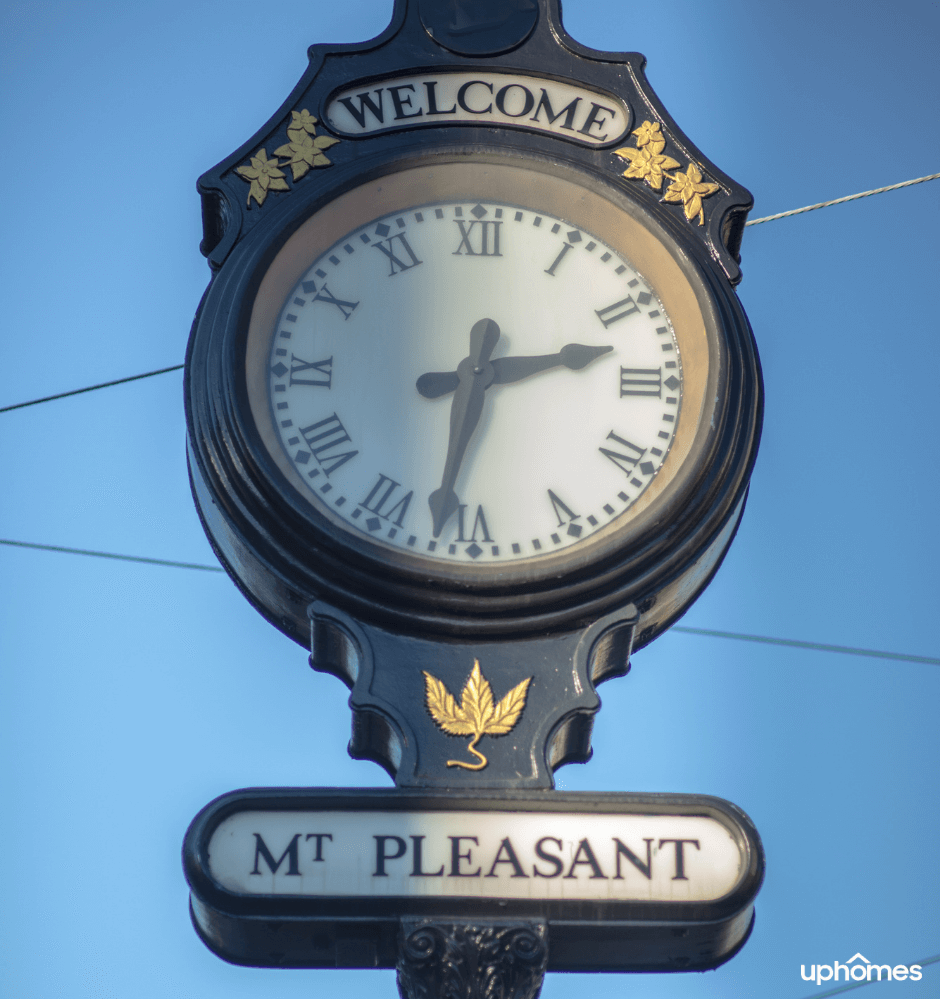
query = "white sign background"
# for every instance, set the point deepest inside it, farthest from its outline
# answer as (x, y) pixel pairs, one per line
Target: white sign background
(349, 860)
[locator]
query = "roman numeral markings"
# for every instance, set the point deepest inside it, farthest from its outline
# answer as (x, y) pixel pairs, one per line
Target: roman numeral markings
(479, 521)
(322, 437)
(641, 381)
(628, 306)
(383, 502)
(565, 515)
(558, 259)
(314, 372)
(627, 461)
(395, 262)
(325, 295)
(479, 239)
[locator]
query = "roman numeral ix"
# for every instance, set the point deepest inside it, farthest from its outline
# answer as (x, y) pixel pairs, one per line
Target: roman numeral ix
(314, 372)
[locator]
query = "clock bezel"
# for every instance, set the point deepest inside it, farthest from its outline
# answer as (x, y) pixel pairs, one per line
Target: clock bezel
(273, 529)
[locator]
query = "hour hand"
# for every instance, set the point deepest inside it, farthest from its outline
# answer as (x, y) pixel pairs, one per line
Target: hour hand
(434, 384)
(573, 355)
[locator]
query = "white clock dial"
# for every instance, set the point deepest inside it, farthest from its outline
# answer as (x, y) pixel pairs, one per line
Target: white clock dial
(551, 430)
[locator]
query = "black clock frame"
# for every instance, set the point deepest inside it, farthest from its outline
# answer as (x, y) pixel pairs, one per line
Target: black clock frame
(281, 552)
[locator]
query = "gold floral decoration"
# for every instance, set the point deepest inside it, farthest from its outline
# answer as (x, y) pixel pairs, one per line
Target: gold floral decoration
(303, 151)
(264, 176)
(648, 162)
(476, 715)
(689, 188)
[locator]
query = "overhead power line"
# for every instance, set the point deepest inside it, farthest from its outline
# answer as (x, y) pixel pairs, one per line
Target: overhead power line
(738, 636)
(121, 558)
(816, 646)
(848, 197)
(90, 388)
(767, 218)
(857, 985)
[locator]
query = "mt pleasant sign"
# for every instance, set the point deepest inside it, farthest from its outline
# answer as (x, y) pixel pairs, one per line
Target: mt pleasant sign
(475, 855)
(535, 103)
(325, 877)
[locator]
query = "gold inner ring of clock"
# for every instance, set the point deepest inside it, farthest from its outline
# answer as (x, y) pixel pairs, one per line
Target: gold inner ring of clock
(510, 184)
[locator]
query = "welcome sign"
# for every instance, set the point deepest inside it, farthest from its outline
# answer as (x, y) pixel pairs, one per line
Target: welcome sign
(540, 104)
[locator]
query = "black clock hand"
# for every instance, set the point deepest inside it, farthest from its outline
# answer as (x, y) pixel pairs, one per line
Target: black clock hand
(575, 356)
(474, 374)
(434, 384)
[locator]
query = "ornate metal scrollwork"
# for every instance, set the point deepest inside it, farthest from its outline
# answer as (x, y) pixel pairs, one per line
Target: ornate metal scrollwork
(483, 959)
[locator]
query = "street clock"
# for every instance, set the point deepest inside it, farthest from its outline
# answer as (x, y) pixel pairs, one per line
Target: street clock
(472, 409)
(472, 363)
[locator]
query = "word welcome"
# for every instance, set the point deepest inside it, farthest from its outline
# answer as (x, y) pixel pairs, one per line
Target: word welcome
(519, 101)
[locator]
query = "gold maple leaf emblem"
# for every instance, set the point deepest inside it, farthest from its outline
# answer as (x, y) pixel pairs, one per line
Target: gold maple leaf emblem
(476, 715)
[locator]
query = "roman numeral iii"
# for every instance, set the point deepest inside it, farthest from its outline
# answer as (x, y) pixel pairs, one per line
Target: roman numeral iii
(641, 381)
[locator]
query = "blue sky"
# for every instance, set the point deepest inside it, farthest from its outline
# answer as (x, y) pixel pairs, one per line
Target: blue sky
(134, 694)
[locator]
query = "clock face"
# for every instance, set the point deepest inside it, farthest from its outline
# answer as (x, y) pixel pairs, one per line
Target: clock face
(475, 379)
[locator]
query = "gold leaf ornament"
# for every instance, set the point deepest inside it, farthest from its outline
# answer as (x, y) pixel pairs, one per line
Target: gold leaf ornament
(645, 164)
(689, 189)
(476, 715)
(263, 175)
(303, 151)
(650, 134)
(649, 163)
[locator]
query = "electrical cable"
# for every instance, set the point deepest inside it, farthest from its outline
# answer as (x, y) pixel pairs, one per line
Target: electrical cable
(848, 197)
(858, 985)
(122, 558)
(90, 388)
(815, 646)
(738, 636)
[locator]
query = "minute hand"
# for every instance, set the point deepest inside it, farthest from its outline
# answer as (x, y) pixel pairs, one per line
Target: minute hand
(572, 355)
(474, 374)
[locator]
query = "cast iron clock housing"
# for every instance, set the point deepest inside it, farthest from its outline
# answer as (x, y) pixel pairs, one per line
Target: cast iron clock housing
(523, 116)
